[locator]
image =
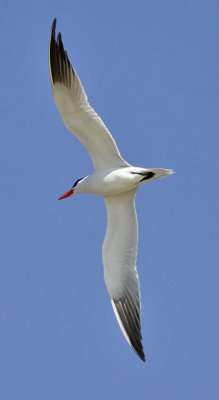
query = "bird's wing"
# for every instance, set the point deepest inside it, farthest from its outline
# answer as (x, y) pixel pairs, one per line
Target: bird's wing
(76, 112)
(119, 259)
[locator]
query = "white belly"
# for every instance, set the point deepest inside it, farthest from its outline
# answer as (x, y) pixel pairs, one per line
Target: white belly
(111, 182)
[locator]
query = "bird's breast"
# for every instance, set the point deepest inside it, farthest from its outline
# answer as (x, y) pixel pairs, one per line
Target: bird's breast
(111, 182)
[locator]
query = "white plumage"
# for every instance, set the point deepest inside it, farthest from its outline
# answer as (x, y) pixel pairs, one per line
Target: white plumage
(113, 178)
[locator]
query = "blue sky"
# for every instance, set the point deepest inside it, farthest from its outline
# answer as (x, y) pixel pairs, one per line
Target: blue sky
(150, 69)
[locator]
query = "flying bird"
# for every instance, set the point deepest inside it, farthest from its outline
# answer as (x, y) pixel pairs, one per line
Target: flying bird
(113, 178)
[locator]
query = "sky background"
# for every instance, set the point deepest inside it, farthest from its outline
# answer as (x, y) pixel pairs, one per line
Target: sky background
(150, 69)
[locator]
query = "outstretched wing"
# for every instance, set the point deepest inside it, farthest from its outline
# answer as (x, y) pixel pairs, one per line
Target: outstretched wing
(119, 259)
(77, 114)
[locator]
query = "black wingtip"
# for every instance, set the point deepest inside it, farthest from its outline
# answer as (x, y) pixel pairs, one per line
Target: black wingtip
(128, 315)
(59, 38)
(53, 27)
(60, 67)
(53, 31)
(141, 356)
(139, 352)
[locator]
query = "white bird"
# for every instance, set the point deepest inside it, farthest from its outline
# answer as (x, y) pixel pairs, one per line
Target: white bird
(113, 178)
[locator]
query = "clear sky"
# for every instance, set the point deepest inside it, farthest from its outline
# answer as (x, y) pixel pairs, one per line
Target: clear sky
(150, 69)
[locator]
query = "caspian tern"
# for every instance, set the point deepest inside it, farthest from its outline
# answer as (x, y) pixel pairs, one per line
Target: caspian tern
(113, 178)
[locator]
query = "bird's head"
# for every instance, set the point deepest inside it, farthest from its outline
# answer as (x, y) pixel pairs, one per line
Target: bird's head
(74, 190)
